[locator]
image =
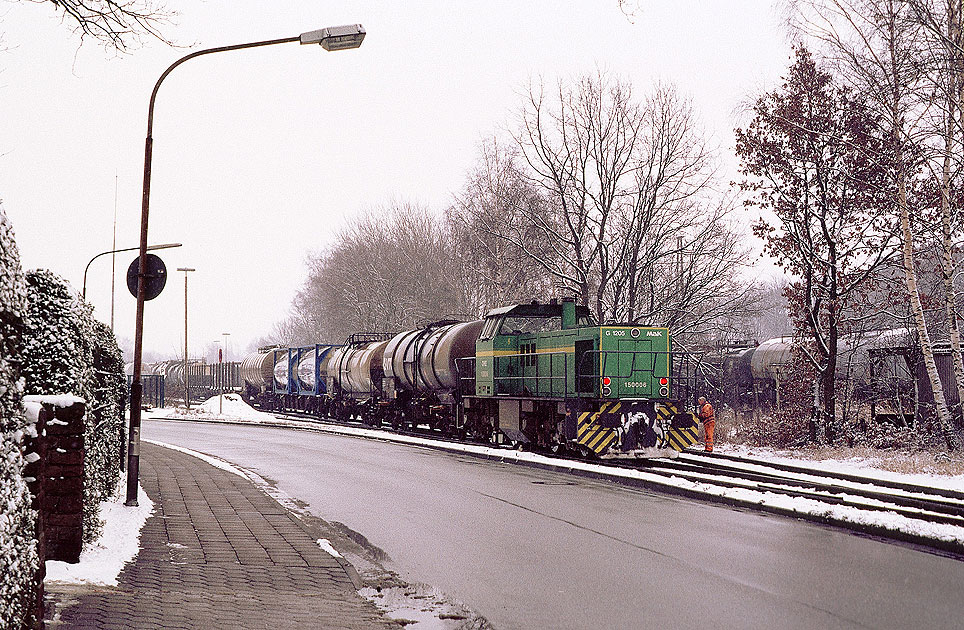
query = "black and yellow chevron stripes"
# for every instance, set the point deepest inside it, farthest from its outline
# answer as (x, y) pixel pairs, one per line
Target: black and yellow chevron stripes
(590, 434)
(665, 411)
(678, 437)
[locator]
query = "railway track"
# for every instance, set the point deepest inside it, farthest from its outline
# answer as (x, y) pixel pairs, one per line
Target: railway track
(714, 475)
(932, 505)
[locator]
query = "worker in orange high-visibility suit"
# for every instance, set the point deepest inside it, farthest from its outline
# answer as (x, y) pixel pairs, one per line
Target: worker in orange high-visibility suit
(708, 417)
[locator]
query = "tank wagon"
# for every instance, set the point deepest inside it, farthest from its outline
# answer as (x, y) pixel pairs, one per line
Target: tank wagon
(535, 374)
(751, 377)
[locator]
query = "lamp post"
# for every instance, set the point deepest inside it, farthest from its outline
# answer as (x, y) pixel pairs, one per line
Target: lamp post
(331, 38)
(83, 293)
(187, 396)
(224, 359)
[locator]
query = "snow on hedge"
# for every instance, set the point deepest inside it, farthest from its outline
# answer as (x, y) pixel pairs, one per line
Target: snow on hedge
(18, 547)
(66, 351)
(104, 425)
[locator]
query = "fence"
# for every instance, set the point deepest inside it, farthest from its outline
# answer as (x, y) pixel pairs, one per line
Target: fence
(153, 384)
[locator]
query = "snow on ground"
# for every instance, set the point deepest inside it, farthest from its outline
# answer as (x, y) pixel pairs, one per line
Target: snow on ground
(420, 609)
(214, 461)
(222, 407)
(242, 413)
(102, 561)
(325, 545)
(856, 465)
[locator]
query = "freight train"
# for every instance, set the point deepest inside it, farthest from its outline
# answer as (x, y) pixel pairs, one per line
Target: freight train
(533, 375)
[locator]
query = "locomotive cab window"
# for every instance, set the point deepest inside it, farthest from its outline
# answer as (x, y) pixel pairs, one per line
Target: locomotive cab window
(531, 324)
(490, 328)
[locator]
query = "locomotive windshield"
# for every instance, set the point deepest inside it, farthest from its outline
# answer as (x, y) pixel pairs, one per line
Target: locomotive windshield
(532, 318)
(520, 325)
(523, 325)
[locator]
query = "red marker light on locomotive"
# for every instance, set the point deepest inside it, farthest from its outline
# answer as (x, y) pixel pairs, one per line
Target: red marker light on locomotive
(664, 381)
(607, 381)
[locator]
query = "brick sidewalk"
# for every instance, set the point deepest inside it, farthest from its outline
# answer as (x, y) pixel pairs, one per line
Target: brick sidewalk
(218, 553)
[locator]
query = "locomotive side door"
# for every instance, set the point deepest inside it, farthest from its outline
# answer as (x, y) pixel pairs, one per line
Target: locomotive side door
(586, 367)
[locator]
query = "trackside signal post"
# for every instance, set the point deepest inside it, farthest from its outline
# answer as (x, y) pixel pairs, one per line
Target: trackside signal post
(331, 38)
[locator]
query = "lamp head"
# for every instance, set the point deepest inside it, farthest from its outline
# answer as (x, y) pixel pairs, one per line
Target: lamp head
(336, 37)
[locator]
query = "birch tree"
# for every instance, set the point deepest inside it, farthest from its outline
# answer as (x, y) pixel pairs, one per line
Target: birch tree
(942, 62)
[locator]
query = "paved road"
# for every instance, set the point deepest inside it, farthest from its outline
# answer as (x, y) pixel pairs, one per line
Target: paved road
(534, 549)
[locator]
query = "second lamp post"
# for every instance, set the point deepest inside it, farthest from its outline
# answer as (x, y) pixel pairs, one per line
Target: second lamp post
(187, 394)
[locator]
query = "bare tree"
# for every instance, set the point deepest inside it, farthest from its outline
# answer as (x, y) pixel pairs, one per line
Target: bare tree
(612, 199)
(771, 319)
(389, 271)
(118, 24)
(942, 62)
(497, 247)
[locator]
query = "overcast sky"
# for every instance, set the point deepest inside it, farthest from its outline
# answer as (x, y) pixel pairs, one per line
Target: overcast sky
(261, 155)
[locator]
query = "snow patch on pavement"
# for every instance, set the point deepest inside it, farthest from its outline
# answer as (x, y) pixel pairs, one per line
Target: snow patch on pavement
(325, 545)
(214, 461)
(421, 608)
(102, 561)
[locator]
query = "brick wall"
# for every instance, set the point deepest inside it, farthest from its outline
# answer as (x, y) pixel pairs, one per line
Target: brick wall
(59, 475)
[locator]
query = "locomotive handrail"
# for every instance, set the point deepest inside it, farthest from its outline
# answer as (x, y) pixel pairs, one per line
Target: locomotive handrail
(537, 378)
(466, 383)
(522, 377)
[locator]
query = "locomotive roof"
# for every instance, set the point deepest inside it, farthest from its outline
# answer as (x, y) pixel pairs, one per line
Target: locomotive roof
(535, 310)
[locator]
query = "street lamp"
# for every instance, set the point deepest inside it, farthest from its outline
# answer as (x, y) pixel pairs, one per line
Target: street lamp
(83, 293)
(187, 397)
(224, 359)
(331, 38)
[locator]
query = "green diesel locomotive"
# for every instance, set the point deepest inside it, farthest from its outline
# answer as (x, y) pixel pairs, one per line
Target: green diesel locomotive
(546, 374)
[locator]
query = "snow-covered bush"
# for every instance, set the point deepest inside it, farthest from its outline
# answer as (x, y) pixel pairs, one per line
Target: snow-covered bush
(58, 355)
(18, 547)
(106, 393)
(66, 351)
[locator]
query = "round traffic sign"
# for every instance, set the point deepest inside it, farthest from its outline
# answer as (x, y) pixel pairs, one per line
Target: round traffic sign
(155, 277)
